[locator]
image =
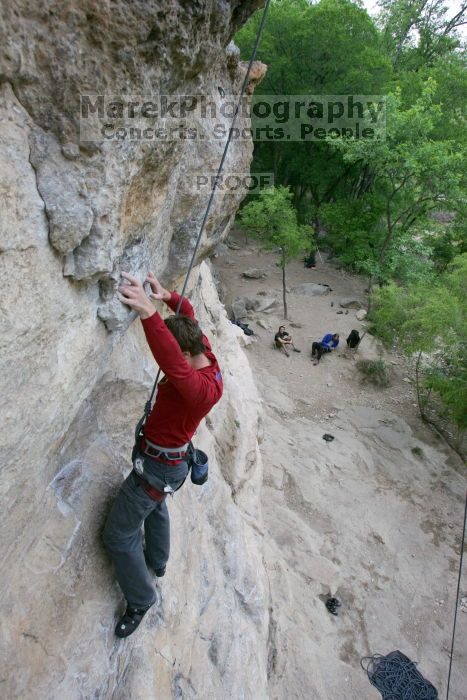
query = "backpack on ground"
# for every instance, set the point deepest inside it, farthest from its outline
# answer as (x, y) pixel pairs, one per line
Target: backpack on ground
(353, 339)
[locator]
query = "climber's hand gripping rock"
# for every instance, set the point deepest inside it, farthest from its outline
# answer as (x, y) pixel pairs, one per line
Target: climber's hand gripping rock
(133, 295)
(158, 291)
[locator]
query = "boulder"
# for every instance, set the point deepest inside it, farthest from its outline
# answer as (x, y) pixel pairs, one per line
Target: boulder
(264, 324)
(266, 304)
(351, 303)
(361, 314)
(311, 289)
(221, 249)
(254, 274)
(242, 305)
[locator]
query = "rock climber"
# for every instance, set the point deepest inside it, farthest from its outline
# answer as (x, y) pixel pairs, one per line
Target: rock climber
(191, 386)
(327, 344)
(283, 340)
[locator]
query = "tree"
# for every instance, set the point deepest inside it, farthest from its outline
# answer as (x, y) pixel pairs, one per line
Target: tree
(412, 175)
(428, 321)
(272, 220)
(328, 48)
(418, 32)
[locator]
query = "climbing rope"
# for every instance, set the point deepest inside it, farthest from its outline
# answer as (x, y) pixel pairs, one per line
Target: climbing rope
(397, 678)
(147, 408)
(394, 675)
(457, 598)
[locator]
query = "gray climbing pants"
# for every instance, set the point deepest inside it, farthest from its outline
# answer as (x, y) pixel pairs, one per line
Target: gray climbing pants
(123, 536)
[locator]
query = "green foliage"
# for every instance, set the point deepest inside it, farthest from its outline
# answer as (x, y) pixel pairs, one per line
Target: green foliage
(417, 33)
(355, 232)
(334, 47)
(394, 208)
(411, 176)
(450, 78)
(331, 47)
(272, 220)
(429, 317)
(328, 48)
(446, 240)
(375, 371)
(418, 452)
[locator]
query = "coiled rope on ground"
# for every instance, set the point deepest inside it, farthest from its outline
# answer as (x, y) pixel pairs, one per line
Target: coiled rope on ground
(397, 677)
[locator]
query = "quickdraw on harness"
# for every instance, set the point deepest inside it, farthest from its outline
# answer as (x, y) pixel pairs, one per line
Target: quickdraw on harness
(139, 430)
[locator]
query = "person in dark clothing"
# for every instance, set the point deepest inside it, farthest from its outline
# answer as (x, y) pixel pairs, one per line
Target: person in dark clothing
(283, 341)
(310, 260)
(327, 344)
(192, 385)
(353, 339)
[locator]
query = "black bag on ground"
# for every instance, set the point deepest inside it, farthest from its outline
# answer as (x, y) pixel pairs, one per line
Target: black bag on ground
(354, 339)
(310, 260)
(244, 327)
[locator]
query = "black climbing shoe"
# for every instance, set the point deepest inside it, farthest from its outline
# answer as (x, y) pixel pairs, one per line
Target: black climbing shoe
(130, 621)
(296, 350)
(332, 604)
(160, 572)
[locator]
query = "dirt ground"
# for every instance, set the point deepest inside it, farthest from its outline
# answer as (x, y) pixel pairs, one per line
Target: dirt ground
(374, 517)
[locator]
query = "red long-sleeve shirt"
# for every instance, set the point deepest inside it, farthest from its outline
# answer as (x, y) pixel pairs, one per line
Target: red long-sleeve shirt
(185, 395)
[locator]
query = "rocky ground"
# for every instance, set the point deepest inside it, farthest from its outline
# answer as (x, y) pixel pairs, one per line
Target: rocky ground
(373, 517)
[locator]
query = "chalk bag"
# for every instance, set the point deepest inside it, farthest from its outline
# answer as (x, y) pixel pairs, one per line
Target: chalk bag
(199, 467)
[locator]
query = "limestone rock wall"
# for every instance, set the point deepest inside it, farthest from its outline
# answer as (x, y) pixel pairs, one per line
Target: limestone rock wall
(75, 371)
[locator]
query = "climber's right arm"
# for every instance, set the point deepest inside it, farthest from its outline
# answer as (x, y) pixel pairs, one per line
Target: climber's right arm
(171, 298)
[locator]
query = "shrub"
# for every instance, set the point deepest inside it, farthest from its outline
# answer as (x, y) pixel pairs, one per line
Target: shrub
(375, 371)
(418, 452)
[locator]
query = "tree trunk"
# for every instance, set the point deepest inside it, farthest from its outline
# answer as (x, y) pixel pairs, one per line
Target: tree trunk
(388, 237)
(370, 292)
(417, 386)
(316, 227)
(456, 445)
(284, 290)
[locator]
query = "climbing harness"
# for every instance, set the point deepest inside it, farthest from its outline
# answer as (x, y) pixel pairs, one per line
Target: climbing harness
(139, 430)
(397, 677)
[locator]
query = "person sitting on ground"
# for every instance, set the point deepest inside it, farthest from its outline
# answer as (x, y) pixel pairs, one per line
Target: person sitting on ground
(283, 341)
(327, 344)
